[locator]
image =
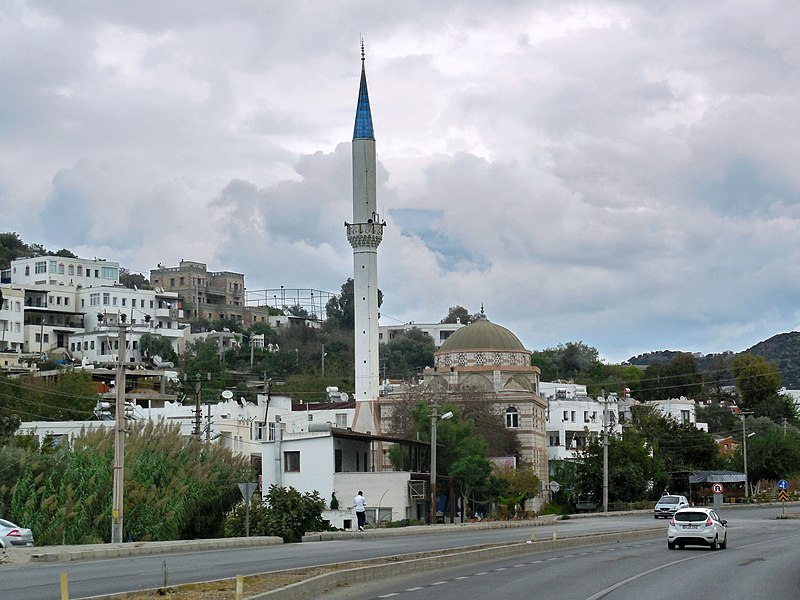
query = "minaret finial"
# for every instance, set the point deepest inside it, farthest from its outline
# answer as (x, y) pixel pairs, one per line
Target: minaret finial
(362, 50)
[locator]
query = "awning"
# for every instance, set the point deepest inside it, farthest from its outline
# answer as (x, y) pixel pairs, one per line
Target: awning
(716, 477)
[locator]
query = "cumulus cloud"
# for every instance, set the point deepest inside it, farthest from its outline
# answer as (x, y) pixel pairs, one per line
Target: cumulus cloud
(611, 172)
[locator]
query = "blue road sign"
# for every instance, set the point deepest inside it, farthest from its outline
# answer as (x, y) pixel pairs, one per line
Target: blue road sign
(783, 484)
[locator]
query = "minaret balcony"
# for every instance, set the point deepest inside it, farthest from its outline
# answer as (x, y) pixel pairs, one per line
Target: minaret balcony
(361, 235)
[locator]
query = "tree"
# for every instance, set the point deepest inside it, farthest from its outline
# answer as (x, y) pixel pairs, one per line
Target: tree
(472, 474)
(11, 248)
(341, 309)
(518, 485)
(758, 382)
(771, 455)
(133, 280)
(565, 361)
(407, 354)
(458, 314)
(632, 471)
(285, 513)
(679, 377)
(156, 345)
(71, 396)
(9, 423)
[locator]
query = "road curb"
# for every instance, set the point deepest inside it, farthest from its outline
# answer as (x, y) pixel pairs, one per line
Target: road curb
(316, 586)
(327, 536)
(150, 548)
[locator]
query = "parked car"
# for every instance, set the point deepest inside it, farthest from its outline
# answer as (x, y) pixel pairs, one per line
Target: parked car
(13, 535)
(698, 527)
(668, 504)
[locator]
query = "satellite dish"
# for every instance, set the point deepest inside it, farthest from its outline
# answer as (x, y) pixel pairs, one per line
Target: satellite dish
(227, 394)
(344, 397)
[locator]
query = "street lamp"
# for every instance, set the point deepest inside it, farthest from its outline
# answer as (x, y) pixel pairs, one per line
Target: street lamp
(434, 420)
(743, 414)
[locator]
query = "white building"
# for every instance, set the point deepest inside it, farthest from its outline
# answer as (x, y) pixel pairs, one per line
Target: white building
(439, 332)
(574, 418)
(68, 272)
(12, 318)
(61, 300)
(682, 410)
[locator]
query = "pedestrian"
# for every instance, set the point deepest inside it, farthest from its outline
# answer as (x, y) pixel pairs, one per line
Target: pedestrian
(360, 504)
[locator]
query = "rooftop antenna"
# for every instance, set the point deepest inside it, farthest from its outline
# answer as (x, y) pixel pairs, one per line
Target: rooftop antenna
(362, 49)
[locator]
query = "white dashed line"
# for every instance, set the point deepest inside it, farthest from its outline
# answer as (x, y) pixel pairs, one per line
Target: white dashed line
(414, 589)
(439, 583)
(389, 595)
(482, 573)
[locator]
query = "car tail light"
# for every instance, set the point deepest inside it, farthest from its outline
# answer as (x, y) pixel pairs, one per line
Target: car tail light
(14, 533)
(709, 522)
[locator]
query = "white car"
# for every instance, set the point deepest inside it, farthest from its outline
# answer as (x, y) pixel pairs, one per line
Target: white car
(698, 527)
(668, 504)
(13, 535)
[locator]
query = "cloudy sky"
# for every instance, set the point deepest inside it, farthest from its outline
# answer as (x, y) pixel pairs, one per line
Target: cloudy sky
(619, 173)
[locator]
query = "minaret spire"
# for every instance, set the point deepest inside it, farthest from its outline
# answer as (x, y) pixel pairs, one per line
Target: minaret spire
(365, 234)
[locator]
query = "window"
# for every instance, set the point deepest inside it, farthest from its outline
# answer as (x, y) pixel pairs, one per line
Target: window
(85, 345)
(341, 419)
(141, 302)
(80, 271)
(106, 298)
(91, 344)
(53, 266)
(512, 417)
(684, 416)
(83, 302)
(97, 272)
(114, 301)
(124, 302)
(40, 267)
(60, 268)
(66, 301)
(27, 269)
(291, 462)
(109, 273)
(586, 416)
(71, 270)
(572, 416)
(566, 416)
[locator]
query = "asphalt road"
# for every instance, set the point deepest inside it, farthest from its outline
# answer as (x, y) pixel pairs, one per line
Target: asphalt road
(761, 562)
(40, 581)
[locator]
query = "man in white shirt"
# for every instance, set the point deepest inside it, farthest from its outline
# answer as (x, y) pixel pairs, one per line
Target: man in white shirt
(360, 504)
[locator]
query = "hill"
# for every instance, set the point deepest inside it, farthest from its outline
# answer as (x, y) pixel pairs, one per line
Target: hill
(782, 349)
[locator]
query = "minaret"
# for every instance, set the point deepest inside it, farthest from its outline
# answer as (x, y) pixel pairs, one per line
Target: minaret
(365, 234)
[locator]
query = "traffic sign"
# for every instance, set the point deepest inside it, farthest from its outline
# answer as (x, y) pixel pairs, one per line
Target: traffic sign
(783, 484)
(783, 496)
(717, 488)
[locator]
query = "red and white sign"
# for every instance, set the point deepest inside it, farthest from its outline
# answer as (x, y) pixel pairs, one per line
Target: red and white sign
(717, 488)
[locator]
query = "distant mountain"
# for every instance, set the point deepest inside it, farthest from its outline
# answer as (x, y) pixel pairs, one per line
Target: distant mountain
(782, 349)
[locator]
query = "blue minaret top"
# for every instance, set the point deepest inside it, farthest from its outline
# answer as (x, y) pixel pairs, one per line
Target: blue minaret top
(363, 129)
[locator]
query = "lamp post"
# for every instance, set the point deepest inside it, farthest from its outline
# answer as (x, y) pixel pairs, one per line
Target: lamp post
(605, 451)
(434, 420)
(744, 414)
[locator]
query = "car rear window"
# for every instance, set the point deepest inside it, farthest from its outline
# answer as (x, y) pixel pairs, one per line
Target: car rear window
(691, 517)
(668, 500)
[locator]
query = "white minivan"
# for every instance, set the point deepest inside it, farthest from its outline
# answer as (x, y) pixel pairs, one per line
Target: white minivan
(668, 505)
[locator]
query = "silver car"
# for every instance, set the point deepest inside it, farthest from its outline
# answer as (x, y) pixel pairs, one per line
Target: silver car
(13, 535)
(698, 527)
(668, 504)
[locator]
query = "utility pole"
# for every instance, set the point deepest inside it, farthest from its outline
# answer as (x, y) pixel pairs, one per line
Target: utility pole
(119, 436)
(434, 418)
(605, 451)
(323, 360)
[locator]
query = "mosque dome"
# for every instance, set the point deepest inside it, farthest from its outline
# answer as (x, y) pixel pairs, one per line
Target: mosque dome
(482, 334)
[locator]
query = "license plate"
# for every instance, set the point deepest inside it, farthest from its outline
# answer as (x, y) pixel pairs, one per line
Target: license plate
(690, 527)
